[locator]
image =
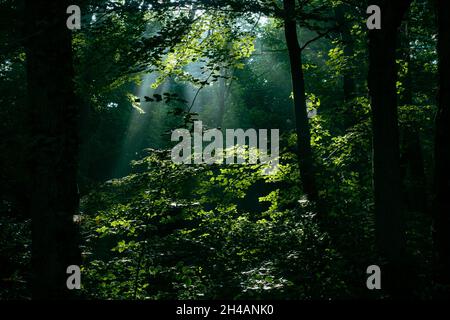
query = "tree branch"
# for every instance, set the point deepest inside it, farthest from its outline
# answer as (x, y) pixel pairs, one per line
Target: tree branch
(319, 36)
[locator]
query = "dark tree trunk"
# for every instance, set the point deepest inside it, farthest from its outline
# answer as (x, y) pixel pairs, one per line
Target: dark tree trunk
(305, 156)
(53, 117)
(441, 225)
(386, 150)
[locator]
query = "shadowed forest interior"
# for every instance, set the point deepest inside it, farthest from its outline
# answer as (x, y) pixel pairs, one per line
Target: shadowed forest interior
(87, 118)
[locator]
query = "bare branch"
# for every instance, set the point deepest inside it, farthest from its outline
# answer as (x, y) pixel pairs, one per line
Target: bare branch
(319, 36)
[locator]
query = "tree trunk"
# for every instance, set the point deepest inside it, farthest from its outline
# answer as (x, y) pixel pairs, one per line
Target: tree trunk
(53, 117)
(305, 156)
(441, 224)
(386, 150)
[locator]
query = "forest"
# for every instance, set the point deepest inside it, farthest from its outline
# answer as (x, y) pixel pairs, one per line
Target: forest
(130, 133)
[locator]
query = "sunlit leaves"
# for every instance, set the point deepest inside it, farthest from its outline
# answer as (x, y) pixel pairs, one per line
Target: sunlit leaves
(174, 231)
(214, 40)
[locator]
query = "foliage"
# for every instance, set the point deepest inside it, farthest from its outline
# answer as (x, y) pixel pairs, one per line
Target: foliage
(158, 230)
(154, 241)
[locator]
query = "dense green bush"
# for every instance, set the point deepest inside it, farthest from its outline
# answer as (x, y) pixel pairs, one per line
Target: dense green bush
(174, 231)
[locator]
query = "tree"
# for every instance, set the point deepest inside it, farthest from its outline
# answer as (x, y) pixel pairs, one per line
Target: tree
(441, 225)
(305, 155)
(382, 81)
(53, 114)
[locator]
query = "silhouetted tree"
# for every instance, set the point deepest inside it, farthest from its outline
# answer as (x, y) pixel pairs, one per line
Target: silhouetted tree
(441, 224)
(305, 156)
(53, 116)
(386, 150)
